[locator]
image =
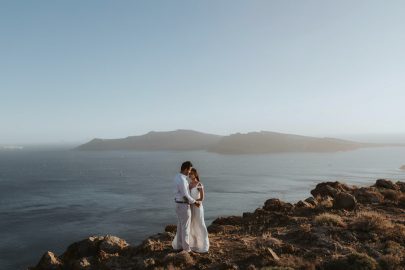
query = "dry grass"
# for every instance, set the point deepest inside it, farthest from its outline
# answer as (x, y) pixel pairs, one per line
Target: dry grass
(391, 195)
(390, 262)
(354, 261)
(323, 203)
(368, 221)
(396, 233)
(295, 262)
(329, 220)
(394, 248)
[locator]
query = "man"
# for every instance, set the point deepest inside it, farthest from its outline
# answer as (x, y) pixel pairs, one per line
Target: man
(183, 200)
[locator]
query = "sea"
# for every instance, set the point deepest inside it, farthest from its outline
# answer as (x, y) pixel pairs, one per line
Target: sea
(52, 198)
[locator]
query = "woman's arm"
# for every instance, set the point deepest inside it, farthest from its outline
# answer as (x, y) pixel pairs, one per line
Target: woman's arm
(201, 190)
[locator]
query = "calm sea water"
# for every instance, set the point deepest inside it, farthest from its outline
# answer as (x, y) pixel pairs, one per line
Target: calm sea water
(50, 199)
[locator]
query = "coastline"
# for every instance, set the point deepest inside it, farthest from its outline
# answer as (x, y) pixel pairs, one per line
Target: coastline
(339, 226)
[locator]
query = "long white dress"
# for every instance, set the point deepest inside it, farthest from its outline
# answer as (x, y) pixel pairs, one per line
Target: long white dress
(198, 231)
(199, 241)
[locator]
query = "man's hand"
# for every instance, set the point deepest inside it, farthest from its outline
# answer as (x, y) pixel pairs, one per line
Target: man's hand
(197, 204)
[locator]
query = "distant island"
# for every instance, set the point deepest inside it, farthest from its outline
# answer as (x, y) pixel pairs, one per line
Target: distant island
(263, 142)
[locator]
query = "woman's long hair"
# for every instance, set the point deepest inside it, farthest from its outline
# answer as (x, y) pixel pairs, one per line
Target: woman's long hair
(194, 171)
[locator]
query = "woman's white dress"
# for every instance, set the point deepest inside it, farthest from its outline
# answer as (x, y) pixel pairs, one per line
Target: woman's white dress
(198, 231)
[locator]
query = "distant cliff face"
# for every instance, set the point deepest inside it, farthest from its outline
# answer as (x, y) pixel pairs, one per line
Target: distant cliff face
(272, 142)
(250, 143)
(179, 140)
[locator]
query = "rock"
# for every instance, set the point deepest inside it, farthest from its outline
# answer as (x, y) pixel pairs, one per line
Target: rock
(303, 204)
(222, 229)
(402, 168)
(49, 261)
(231, 220)
(401, 186)
(171, 228)
(323, 191)
(383, 183)
(82, 264)
(85, 248)
(150, 245)
(277, 205)
(92, 246)
(391, 195)
(344, 200)
(312, 201)
(182, 259)
(368, 195)
(112, 244)
(329, 189)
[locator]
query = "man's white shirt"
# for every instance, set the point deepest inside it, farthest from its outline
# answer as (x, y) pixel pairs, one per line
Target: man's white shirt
(181, 188)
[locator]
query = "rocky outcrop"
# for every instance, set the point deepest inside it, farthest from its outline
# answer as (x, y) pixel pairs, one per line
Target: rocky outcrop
(387, 184)
(344, 200)
(341, 227)
(91, 253)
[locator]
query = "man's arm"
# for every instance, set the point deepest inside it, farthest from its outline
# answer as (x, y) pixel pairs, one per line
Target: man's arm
(184, 191)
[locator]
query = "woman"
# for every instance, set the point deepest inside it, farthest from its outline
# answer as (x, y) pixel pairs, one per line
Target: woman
(198, 231)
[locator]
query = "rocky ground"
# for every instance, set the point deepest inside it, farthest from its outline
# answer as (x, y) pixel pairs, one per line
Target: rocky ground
(340, 227)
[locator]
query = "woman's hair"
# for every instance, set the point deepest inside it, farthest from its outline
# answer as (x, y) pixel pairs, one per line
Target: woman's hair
(194, 171)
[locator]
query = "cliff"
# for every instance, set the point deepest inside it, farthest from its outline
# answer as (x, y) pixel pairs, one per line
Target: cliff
(263, 142)
(272, 142)
(339, 227)
(179, 140)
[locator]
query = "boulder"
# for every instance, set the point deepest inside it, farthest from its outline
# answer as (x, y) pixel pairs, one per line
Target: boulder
(150, 245)
(383, 183)
(329, 189)
(92, 246)
(49, 261)
(182, 259)
(401, 186)
(231, 220)
(85, 248)
(312, 201)
(277, 205)
(171, 228)
(112, 244)
(368, 195)
(303, 204)
(344, 200)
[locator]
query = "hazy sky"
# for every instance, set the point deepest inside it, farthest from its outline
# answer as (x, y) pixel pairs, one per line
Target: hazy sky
(74, 70)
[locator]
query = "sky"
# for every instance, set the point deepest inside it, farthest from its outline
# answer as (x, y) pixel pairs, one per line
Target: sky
(74, 70)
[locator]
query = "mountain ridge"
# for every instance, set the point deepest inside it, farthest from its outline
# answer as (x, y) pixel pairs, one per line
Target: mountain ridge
(258, 142)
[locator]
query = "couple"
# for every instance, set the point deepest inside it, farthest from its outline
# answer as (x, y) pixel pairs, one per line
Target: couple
(191, 233)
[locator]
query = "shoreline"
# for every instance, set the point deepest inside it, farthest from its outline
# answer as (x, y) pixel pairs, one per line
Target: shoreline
(339, 226)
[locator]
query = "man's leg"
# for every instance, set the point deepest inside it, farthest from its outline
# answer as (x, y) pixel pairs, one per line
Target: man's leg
(185, 226)
(179, 233)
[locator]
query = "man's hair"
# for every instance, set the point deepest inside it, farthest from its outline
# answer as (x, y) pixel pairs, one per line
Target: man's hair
(186, 165)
